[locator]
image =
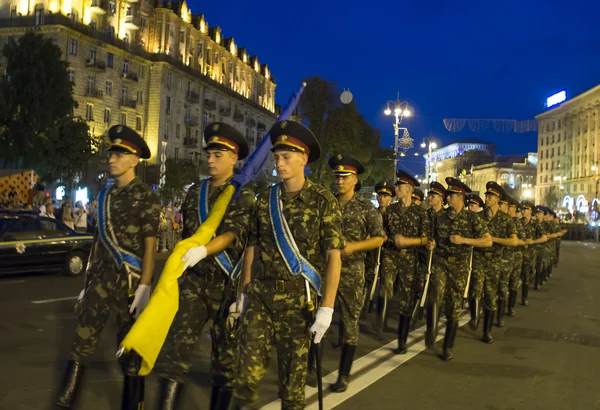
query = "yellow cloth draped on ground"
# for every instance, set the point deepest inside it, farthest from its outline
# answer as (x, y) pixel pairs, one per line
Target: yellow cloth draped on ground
(150, 330)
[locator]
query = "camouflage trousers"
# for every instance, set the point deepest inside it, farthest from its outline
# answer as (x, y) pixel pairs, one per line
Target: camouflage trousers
(351, 297)
(201, 298)
(505, 272)
(447, 284)
(399, 268)
(514, 278)
(477, 276)
(421, 276)
(541, 261)
(106, 289)
(494, 266)
(528, 268)
(276, 314)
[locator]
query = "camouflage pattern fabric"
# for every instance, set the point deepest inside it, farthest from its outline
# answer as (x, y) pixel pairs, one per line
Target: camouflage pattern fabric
(479, 267)
(276, 311)
(449, 276)
(516, 258)
(400, 265)
(134, 216)
(500, 225)
(360, 221)
(371, 262)
(530, 230)
(205, 293)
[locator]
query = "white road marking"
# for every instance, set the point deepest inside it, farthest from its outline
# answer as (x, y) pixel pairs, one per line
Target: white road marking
(10, 282)
(38, 302)
(331, 400)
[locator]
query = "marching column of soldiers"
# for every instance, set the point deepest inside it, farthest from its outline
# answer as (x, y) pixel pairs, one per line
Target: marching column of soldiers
(281, 260)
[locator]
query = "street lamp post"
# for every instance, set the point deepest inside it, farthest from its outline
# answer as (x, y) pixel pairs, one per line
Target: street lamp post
(401, 110)
(431, 145)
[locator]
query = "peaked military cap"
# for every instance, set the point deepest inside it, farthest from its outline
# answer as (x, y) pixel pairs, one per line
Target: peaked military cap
(494, 188)
(345, 165)
(473, 198)
(456, 187)
(224, 137)
(527, 205)
(437, 188)
(512, 201)
(384, 187)
(293, 136)
(406, 178)
(418, 194)
(541, 209)
(124, 139)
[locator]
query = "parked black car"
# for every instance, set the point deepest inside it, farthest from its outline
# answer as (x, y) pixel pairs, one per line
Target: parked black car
(31, 243)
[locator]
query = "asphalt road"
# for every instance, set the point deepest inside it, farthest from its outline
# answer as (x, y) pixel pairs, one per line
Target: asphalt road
(545, 358)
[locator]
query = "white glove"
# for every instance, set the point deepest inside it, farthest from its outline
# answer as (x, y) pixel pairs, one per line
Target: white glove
(80, 295)
(193, 256)
(140, 300)
(322, 323)
(237, 308)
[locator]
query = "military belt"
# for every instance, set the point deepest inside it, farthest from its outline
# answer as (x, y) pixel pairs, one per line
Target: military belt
(210, 278)
(285, 285)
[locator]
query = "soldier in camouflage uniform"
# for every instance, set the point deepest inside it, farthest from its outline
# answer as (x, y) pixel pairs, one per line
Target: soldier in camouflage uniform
(418, 196)
(456, 231)
(554, 234)
(476, 205)
(436, 197)
(120, 267)
(363, 231)
(515, 256)
(206, 288)
(504, 234)
(385, 192)
(406, 227)
(542, 250)
(278, 308)
(534, 236)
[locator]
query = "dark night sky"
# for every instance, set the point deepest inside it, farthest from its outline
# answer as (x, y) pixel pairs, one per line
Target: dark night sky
(461, 59)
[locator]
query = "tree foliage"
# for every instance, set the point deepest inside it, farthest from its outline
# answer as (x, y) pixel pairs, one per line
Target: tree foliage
(178, 174)
(37, 126)
(551, 198)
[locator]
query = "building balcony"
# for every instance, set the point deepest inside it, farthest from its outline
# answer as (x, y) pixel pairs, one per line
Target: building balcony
(238, 117)
(261, 127)
(132, 22)
(190, 142)
(94, 93)
(210, 104)
(129, 76)
(225, 112)
(126, 102)
(192, 120)
(251, 122)
(95, 64)
(193, 97)
(98, 7)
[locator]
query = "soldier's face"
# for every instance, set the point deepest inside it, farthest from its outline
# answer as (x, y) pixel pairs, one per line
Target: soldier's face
(220, 162)
(417, 201)
(121, 162)
(289, 164)
(345, 183)
(403, 191)
(384, 200)
(512, 211)
(527, 213)
(434, 199)
(504, 207)
(491, 200)
(455, 200)
(474, 207)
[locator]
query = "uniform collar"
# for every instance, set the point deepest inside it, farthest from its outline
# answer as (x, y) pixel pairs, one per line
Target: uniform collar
(134, 181)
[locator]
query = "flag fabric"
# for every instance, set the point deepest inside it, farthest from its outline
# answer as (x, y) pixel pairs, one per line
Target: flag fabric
(148, 333)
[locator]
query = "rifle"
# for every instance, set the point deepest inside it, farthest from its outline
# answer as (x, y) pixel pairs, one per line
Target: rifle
(375, 278)
(466, 294)
(419, 306)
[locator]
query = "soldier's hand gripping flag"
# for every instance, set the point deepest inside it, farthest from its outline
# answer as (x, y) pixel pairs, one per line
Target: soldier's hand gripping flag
(150, 330)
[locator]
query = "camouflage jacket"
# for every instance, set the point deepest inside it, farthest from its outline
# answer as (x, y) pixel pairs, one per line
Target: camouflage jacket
(411, 222)
(236, 221)
(315, 221)
(465, 224)
(480, 251)
(500, 225)
(520, 234)
(360, 221)
(134, 214)
(371, 258)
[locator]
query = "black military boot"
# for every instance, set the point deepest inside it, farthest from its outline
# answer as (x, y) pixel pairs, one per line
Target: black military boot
(339, 342)
(451, 328)
(69, 390)
(214, 396)
(474, 310)
(345, 365)
(488, 318)
(378, 330)
(224, 399)
(311, 374)
(524, 295)
(500, 312)
(170, 391)
(133, 393)
(512, 301)
(536, 284)
(432, 324)
(403, 330)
